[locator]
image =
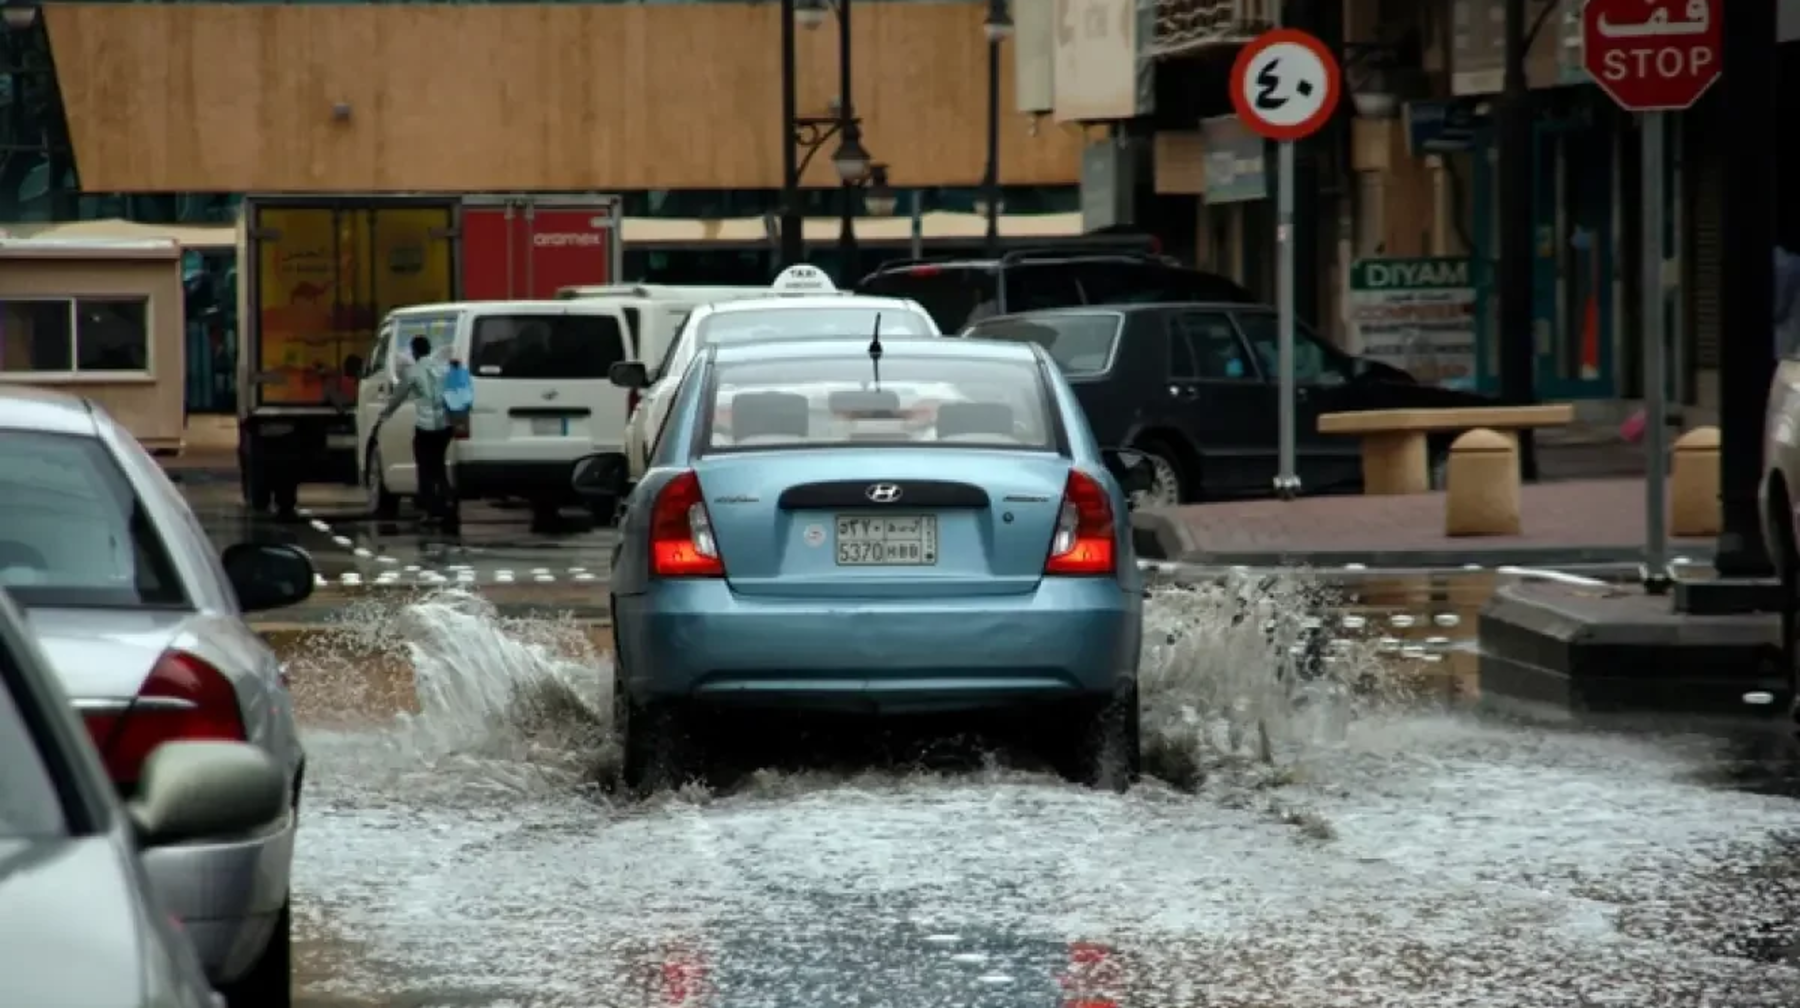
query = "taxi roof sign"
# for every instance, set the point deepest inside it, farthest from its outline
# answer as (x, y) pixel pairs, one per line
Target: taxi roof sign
(803, 279)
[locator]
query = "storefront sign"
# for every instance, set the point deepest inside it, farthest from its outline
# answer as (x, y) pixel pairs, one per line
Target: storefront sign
(1234, 170)
(1418, 315)
(1438, 127)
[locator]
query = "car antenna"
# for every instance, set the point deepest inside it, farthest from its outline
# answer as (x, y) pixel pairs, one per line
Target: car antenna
(875, 351)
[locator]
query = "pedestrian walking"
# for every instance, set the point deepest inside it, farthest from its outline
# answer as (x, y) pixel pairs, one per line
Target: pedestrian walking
(423, 386)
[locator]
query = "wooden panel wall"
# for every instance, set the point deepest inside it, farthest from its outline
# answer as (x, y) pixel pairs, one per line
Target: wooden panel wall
(239, 97)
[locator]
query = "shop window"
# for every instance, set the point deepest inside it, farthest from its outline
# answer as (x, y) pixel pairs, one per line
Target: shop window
(48, 336)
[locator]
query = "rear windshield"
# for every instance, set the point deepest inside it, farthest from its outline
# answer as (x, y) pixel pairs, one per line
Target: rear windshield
(839, 401)
(951, 294)
(545, 346)
(1080, 344)
(72, 531)
(796, 323)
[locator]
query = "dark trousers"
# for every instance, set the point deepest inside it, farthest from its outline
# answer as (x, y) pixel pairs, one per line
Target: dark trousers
(430, 449)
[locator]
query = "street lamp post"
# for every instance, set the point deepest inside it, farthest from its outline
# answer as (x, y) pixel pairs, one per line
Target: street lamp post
(793, 243)
(998, 27)
(851, 159)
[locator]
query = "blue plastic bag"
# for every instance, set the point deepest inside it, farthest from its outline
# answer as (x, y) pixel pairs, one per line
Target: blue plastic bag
(459, 395)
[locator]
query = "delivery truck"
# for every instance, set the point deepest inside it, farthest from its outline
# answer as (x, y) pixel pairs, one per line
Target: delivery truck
(317, 274)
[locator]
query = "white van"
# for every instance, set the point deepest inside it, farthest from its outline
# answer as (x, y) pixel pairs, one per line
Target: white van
(655, 311)
(542, 398)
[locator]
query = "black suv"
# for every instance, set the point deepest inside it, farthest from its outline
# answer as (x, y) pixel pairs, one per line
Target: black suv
(960, 291)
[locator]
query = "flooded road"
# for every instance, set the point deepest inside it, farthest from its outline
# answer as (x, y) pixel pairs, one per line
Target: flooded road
(1326, 824)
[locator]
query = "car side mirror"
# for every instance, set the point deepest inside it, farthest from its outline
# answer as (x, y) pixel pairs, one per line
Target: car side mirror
(191, 790)
(353, 366)
(268, 575)
(629, 374)
(598, 476)
(1131, 468)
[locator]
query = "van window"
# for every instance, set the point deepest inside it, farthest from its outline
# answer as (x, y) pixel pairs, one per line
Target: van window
(949, 294)
(545, 346)
(439, 329)
(636, 325)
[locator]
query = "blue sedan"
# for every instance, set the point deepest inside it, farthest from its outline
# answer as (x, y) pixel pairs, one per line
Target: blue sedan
(834, 524)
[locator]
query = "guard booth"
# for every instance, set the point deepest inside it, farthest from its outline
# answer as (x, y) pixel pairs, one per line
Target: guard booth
(99, 318)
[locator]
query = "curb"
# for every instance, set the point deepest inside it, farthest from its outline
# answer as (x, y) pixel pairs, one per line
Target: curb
(1157, 536)
(1401, 559)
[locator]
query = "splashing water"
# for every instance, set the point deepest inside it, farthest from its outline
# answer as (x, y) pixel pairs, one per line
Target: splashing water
(499, 703)
(1232, 678)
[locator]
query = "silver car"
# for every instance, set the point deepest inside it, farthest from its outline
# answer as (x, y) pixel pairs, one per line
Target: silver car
(143, 623)
(83, 927)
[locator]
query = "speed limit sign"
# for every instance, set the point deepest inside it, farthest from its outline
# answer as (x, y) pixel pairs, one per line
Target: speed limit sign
(1285, 85)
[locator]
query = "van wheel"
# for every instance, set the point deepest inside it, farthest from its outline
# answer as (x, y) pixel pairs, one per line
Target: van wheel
(257, 495)
(381, 503)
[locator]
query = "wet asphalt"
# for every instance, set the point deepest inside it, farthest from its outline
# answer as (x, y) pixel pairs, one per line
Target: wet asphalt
(1367, 839)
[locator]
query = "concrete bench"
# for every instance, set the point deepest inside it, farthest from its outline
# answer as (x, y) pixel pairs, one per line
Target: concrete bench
(1393, 441)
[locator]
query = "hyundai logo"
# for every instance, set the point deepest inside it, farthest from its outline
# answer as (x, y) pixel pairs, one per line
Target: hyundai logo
(550, 394)
(882, 493)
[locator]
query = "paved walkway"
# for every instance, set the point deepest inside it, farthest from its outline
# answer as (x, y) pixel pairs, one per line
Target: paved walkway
(1595, 521)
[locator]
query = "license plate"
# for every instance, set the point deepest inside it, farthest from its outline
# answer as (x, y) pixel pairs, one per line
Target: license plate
(887, 540)
(550, 426)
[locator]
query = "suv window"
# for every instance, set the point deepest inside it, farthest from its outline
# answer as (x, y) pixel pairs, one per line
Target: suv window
(545, 346)
(951, 295)
(1125, 282)
(1081, 343)
(960, 295)
(1315, 361)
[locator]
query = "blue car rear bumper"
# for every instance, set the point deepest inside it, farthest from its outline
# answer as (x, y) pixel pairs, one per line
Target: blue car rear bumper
(698, 639)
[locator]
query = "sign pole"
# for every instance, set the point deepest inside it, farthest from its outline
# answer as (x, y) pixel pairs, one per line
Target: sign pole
(1287, 481)
(1656, 426)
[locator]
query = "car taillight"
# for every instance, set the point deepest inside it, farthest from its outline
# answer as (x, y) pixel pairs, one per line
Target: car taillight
(681, 533)
(184, 699)
(1083, 543)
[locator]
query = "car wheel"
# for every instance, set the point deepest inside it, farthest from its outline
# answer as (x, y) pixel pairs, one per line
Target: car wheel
(1104, 743)
(257, 494)
(382, 504)
(270, 981)
(1168, 486)
(660, 747)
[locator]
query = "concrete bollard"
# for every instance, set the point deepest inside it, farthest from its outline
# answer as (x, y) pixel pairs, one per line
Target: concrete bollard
(1482, 485)
(1694, 484)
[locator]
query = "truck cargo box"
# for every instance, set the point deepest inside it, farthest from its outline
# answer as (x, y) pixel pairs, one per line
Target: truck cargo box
(520, 247)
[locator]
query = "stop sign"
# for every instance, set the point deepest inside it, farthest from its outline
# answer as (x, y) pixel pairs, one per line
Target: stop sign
(1653, 55)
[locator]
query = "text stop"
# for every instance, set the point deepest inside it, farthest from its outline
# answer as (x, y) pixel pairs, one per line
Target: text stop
(1667, 62)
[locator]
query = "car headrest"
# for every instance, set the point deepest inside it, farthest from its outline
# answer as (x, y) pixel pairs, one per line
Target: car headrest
(761, 414)
(959, 419)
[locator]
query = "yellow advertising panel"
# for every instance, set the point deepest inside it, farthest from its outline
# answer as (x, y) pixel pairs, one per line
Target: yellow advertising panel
(412, 263)
(311, 288)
